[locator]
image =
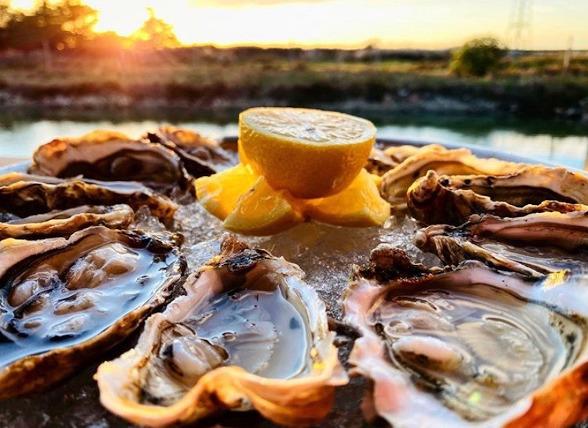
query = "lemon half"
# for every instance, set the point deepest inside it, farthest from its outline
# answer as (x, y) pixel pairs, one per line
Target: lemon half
(310, 153)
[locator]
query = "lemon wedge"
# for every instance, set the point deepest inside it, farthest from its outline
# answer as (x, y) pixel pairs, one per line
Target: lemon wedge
(310, 153)
(263, 211)
(220, 192)
(359, 205)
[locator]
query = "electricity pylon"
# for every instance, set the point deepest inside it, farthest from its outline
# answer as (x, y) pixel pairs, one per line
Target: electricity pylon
(519, 26)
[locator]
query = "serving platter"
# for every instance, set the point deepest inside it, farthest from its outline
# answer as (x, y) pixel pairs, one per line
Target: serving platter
(325, 253)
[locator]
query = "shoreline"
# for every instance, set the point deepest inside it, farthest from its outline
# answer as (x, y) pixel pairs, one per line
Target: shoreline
(96, 105)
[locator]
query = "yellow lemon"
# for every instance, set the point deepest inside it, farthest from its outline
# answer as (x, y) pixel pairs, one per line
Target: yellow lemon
(263, 211)
(220, 192)
(359, 205)
(310, 153)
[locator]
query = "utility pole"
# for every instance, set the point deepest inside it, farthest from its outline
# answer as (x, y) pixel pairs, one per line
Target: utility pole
(567, 57)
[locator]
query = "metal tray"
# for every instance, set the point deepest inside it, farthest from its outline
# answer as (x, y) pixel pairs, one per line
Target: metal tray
(74, 403)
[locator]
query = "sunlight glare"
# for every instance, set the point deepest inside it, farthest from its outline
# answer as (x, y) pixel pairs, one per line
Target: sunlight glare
(342, 23)
(122, 17)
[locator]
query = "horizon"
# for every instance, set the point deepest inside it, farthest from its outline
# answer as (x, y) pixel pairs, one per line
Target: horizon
(350, 24)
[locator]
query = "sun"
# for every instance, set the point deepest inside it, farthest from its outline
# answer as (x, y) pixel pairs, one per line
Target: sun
(122, 17)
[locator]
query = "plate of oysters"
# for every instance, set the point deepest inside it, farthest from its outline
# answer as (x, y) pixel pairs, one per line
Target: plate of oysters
(302, 274)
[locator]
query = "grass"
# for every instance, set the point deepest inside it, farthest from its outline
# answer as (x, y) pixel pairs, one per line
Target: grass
(530, 84)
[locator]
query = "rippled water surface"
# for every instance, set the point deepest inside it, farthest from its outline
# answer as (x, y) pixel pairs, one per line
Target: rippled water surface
(556, 142)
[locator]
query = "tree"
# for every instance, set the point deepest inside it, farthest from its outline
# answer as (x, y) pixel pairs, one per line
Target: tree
(155, 33)
(50, 26)
(4, 12)
(477, 57)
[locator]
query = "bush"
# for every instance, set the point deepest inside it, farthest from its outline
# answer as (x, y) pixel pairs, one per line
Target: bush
(478, 57)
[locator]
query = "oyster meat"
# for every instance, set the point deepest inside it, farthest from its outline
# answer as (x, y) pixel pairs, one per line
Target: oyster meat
(111, 156)
(65, 301)
(25, 195)
(200, 155)
(469, 346)
(452, 199)
(433, 157)
(66, 222)
(249, 334)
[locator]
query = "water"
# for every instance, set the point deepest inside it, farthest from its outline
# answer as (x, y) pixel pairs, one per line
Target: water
(558, 142)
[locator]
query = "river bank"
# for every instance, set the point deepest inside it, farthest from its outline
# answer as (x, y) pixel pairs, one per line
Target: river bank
(382, 87)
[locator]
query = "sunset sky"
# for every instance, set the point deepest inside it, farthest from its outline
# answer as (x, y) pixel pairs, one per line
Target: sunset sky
(349, 23)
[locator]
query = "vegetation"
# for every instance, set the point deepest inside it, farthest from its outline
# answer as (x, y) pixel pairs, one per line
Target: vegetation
(69, 24)
(52, 58)
(478, 57)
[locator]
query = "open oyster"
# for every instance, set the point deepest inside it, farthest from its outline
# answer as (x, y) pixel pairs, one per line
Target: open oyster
(66, 222)
(471, 346)
(452, 199)
(65, 301)
(111, 156)
(200, 155)
(433, 157)
(25, 195)
(248, 334)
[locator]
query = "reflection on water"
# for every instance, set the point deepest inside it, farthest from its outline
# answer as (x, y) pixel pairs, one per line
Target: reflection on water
(554, 142)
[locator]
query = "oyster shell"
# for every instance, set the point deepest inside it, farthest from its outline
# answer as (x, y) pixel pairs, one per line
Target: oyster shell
(379, 163)
(383, 160)
(200, 155)
(24, 195)
(396, 182)
(64, 301)
(551, 240)
(452, 246)
(471, 346)
(452, 199)
(248, 334)
(66, 222)
(111, 156)
(567, 230)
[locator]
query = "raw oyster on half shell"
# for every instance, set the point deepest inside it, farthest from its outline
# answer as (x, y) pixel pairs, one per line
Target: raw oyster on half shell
(469, 346)
(66, 301)
(248, 334)
(111, 156)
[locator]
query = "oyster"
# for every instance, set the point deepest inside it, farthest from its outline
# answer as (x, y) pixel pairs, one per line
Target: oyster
(550, 239)
(383, 160)
(111, 156)
(379, 163)
(452, 199)
(471, 346)
(248, 334)
(568, 230)
(66, 222)
(64, 301)
(24, 195)
(200, 155)
(396, 182)
(452, 246)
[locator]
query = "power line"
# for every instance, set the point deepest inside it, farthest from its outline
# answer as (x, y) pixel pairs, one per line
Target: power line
(519, 26)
